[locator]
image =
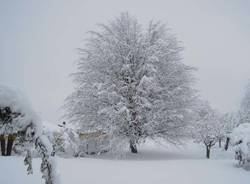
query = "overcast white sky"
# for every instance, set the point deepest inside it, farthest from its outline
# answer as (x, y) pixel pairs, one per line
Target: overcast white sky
(38, 41)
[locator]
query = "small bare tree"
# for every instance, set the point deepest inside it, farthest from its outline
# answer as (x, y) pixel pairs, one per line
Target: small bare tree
(206, 128)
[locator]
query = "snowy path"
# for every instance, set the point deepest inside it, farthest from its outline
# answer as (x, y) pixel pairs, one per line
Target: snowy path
(181, 166)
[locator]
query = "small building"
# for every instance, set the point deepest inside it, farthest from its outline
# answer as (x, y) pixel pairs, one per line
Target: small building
(93, 142)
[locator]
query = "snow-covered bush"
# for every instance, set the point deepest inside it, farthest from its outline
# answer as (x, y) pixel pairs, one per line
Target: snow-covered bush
(53, 133)
(63, 137)
(71, 139)
(17, 118)
(241, 141)
(131, 84)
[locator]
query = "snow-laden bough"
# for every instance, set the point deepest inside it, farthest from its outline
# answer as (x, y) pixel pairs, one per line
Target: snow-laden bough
(17, 118)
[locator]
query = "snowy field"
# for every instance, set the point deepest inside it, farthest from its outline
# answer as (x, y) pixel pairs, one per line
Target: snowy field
(153, 165)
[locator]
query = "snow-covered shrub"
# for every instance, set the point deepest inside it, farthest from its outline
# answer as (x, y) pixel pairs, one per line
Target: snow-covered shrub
(18, 118)
(241, 141)
(71, 139)
(63, 137)
(131, 84)
(53, 133)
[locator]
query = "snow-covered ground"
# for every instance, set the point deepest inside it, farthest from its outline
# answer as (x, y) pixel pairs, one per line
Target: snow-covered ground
(153, 165)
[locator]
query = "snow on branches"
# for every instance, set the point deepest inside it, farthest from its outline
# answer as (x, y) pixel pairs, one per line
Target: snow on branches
(17, 119)
(245, 106)
(132, 84)
(241, 141)
(208, 126)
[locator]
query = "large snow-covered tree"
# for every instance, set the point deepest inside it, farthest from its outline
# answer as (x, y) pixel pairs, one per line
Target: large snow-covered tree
(17, 119)
(131, 84)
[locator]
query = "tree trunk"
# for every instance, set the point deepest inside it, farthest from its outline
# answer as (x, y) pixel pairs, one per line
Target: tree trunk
(2, 145)
(227, 143)
(219, 143)
(11, 139)
(208, 152)
(133, 147)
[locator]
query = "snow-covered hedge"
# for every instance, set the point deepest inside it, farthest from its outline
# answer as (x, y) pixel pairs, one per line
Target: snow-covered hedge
(241, 139)
(17, 117)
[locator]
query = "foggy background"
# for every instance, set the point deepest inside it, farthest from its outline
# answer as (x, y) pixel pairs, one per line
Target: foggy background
(38, 41)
